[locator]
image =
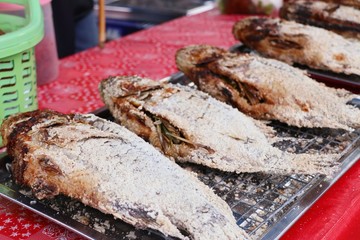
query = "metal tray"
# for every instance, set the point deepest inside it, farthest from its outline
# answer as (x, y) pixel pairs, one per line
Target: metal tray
(264, 205)
(154, 11)
(349, 82)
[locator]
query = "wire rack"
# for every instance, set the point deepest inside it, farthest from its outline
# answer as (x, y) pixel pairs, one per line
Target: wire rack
(264, 205)
(260, 201)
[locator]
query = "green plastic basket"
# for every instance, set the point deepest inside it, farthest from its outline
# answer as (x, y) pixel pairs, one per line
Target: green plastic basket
(18, 88)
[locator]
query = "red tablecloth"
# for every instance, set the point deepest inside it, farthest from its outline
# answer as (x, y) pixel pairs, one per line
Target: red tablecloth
(150, 53)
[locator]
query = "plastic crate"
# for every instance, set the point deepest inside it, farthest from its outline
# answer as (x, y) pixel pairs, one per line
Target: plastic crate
(18, 91)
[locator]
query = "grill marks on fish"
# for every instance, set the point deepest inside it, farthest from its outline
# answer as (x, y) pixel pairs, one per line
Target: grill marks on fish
(268, 89)
(109, 168)
(225, 138)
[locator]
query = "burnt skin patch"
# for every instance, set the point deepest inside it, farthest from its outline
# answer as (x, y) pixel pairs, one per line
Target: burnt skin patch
(257, 36)
(300, 13)
(131, 88)
(306, 13)
(246, 91)
(47, 165)
(203, 60)
(332, 8)
(36, 117)
(42, 189)
(198, 57)
(137, 211)
(339, 57)
(18, 168)
(258, 30)
(228, 94)
(134, 119)
(303, 106)
(285, 44)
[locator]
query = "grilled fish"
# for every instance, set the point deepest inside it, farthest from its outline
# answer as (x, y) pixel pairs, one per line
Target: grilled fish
(109, 168)
(351, 3)
(190, 126)
(266, 88)
(293, 42)
(341, 19)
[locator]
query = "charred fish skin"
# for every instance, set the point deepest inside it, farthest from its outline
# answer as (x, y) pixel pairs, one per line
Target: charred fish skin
(109, 168)
(267, 89)
(350, 3)
(293, 42)
(340, 19)
(189, 126)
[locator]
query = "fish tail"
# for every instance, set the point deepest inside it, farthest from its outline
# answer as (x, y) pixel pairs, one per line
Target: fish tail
(290, 163)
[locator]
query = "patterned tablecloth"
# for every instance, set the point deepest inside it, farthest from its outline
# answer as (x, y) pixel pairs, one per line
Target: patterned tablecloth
(150, 53)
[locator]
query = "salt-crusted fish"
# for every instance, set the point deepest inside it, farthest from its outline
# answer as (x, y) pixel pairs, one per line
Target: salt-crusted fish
(266, 88)
(109, 168)
(190, 126)
(351, 3)
(293, 42)
(341, 19)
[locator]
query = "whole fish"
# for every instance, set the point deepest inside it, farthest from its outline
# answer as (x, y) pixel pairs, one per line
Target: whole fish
(266, 88)
(293, 42)
(191, 126)
(107, 167)
(338, 18)
(351, 3)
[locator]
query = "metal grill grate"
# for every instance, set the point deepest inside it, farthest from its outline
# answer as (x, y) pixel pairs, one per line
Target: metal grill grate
(264, 205)
(260, 200)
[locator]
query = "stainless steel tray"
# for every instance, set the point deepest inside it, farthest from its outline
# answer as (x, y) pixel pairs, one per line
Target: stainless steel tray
(154, 11)
(264, 205)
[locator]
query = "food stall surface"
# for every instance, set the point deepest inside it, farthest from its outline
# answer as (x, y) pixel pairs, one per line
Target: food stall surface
(157, 11)
(150, 53)
(127, 16)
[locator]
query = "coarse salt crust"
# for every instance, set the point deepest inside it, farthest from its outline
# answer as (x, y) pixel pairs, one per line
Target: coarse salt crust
(283, 92)
(320, 49)
(107, 167)
(226, 139)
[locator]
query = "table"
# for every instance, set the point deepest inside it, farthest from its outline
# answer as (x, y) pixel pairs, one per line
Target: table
(150, 53)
